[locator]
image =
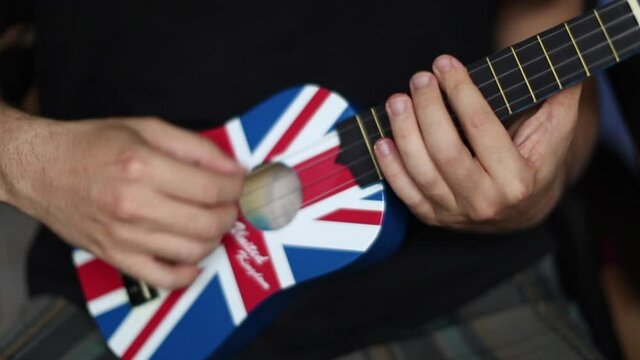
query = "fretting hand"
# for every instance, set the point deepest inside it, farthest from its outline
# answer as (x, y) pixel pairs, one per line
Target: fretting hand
(505, 183)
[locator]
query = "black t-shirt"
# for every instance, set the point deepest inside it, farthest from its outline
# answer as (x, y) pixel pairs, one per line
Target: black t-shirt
(197, 63)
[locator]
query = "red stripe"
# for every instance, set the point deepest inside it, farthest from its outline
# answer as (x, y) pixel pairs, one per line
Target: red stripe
(251, 275)
(321, 177)
(220, 137)
(369, 217)
(98, 278)
(166, 306)
(299, 123)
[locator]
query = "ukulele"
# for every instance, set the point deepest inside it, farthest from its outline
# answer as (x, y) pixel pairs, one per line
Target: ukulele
(315, 202)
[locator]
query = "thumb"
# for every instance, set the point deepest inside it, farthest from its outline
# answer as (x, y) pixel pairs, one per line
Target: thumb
(185, 145)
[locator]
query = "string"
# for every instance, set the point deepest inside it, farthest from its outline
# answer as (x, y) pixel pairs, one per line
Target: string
(368, 173)
(560, 30)
(367, 120)
(550, 53)
(349, 127)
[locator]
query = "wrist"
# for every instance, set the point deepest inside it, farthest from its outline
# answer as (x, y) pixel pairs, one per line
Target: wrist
(21, 160)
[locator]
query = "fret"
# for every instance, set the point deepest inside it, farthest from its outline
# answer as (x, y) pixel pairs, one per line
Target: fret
(483, 77)
(635, 8)
(591, 39)
(606, 34)
(546, 55)
(368, 142)
(515, 88)
(497, 80)
(575, 45)
(538, 68)
(567, 65)
(623, 28)
(376, 119)
(524, 76)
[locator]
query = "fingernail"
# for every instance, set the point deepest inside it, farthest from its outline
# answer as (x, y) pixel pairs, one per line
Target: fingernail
(444, 63)
(383, 147)
(421, 80)
(397, 105)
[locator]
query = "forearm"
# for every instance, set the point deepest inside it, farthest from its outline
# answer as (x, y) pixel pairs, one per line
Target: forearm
(519, 19)
(19, 155)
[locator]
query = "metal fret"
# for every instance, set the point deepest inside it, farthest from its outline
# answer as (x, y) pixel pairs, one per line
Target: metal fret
(606, 34)
(575, 44)
(369, 147)
(377, 121)
(524, 76)
(504, 97)
(553, 69)
(633, 4)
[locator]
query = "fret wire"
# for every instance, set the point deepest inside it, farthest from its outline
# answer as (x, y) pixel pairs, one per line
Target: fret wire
(377, 121)
(553, 69)
(596, 64)
(504, 96)
(606, 34)
(614, 6)
(564, 62)
(524, 76)
(635, 8)
(366, 139)
(554, 50)
(575, 44)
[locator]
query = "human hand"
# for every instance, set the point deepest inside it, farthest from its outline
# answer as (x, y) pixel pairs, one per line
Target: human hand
(149, 198)
(504, 183)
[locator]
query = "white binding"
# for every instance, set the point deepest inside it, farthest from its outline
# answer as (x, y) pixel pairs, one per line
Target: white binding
(635, 8)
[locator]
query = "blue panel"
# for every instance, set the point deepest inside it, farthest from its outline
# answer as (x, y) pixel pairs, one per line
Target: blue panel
(308, 263)
(109, 321)
(202, 329)
(257, 121)
(379, 196)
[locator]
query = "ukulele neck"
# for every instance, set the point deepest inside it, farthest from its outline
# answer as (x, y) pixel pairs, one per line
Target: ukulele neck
(519, 77)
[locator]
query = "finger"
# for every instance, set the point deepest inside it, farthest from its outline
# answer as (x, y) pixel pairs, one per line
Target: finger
(157, 272)
(185, 145)
(160, 213)
(451, 157)
(414, 154)
(488, 138)
(178, 179)
(396, 175)
(169, 247)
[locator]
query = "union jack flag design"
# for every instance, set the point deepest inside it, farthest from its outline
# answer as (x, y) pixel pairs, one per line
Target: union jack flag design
(338, 222)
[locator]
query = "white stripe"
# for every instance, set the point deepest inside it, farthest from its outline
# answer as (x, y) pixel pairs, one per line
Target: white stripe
(327, 143)
(349, 198)
(108, 302)
(81, 257)
(239, 143)
(130, 328)
(332, 235)
(319, 124)
(279, 259)
(168, 323)
(282, 124)
(230, 286)
(635, 8)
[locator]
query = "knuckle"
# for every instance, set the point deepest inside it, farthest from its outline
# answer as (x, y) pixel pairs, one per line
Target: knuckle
(519, 191)
(449, 159)
(483, 211)
(124, 206)
(428, 182)
(459, 85)
(131, 164)
(196, 253)
(478, 119)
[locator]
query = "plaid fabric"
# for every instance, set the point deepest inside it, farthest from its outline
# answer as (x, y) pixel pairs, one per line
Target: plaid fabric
(524, 318)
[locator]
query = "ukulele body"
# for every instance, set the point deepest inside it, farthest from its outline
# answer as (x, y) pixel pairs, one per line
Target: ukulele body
(340, 226)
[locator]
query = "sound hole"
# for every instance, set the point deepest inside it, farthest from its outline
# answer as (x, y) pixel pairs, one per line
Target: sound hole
(272, 196)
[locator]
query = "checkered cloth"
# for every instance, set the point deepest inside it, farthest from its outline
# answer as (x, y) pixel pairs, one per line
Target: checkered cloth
(523, 318)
